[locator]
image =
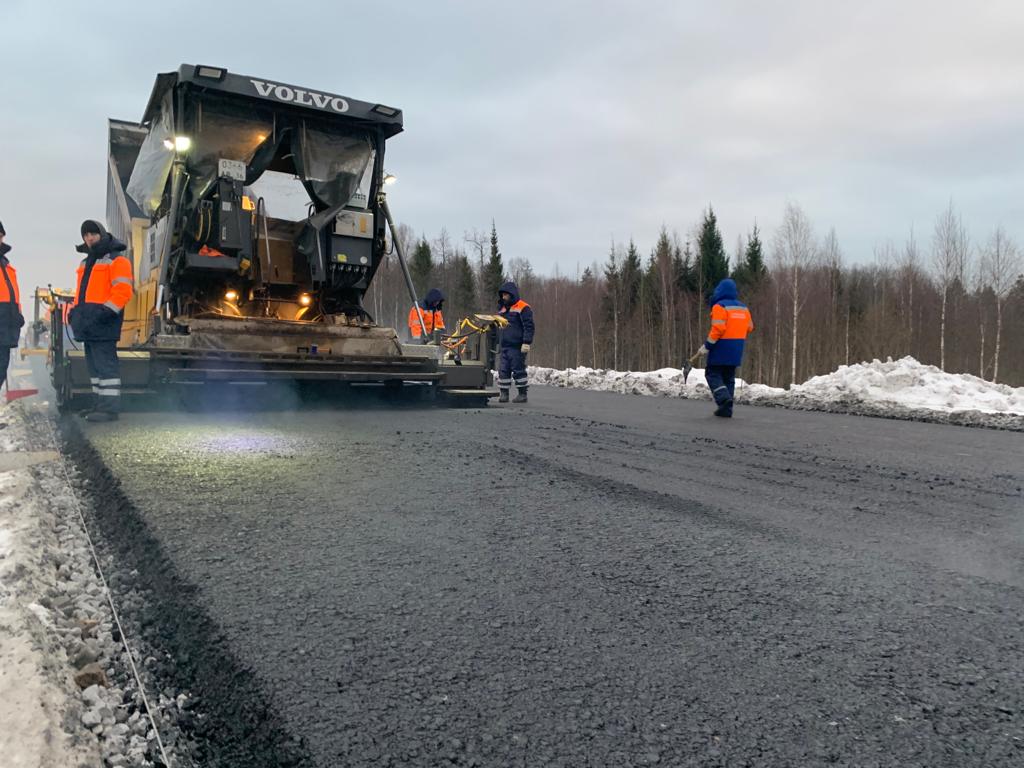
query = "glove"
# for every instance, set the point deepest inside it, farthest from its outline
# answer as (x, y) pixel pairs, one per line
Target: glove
(524, 348)
(703, 351)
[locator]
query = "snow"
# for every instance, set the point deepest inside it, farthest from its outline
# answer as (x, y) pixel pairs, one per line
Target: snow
(899, 384)
(911, 384)
(664, 382)
(38, 694)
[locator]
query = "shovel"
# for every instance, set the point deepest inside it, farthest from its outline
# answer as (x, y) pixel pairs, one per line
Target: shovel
(688, 365)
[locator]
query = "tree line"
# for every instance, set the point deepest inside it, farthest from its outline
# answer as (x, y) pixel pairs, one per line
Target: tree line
(941, 297)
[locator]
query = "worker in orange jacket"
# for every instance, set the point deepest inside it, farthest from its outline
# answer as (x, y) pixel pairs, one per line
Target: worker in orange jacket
(11, 319)
(432, 317)
(730, 324)
(103, 289)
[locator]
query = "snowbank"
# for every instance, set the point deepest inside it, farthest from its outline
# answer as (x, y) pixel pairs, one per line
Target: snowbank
(902, 388)
(664, 382)
(911, 384)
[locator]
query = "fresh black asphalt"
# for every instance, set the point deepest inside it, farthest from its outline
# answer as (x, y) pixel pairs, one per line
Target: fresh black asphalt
(592, 579)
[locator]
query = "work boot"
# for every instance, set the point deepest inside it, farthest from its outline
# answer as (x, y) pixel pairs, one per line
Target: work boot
(521, 397)
(502, 395)
(724, 410)
(101, 416)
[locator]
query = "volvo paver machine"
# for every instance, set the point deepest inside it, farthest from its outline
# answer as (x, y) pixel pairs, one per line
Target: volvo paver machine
(256, 219)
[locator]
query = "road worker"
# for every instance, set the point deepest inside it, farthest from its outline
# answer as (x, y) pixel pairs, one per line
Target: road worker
(516, 338)
(102, 290)
(432, 317)
(730, 324)
(11, 319)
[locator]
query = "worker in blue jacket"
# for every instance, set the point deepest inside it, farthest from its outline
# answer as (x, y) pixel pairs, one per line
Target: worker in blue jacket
(516, 338)
(730, 324)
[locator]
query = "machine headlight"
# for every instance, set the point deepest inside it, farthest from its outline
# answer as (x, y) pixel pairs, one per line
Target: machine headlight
(179, 144)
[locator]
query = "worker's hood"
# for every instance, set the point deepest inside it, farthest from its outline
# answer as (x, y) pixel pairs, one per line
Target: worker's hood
(107, 244)
(510, 288)
(433, 298)
(724, 290)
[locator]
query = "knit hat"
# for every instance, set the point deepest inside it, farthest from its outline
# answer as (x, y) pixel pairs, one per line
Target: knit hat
(91, 226)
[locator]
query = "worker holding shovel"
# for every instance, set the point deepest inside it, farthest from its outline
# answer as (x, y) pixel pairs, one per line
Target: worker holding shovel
(730, 324)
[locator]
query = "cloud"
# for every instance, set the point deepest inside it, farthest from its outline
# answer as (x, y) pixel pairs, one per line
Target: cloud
(567, 123)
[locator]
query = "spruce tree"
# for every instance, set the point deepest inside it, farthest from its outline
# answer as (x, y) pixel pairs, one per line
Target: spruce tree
(421, 267)
(494, 271)
(631, 275)
(463, 299)
(751, 273)
(613, 303)
(685, 270)
(714, 264)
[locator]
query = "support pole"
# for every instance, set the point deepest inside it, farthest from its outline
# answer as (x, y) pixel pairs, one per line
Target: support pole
(382, 200)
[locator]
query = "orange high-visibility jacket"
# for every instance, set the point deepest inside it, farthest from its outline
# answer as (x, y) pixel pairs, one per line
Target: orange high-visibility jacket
(433, 320)
(5, 294)
(110, 282)
(730, 324)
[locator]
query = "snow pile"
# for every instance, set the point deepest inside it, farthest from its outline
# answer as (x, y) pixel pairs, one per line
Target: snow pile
(911, 384)
(903, 389)
(664, 382)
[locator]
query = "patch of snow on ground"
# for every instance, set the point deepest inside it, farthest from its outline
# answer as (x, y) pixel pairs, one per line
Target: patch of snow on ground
(912, 384)
(664, 382)
(902, 388)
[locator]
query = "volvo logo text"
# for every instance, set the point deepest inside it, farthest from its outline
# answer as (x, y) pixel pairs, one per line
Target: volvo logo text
(299, 96)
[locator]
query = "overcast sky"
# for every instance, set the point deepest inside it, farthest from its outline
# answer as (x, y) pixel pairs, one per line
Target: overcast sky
(568, 123)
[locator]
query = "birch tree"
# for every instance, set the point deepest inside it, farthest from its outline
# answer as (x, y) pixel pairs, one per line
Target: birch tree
(949, 259)
(1001, 263)
(794, 254)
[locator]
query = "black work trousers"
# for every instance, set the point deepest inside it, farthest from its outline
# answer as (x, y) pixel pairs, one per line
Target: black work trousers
(105, 374)
(722, 382)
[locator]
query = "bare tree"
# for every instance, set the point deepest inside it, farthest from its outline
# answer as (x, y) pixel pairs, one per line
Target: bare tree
(832, 261)
(443, 249)
(480, 242)
(1001, 264)
(910, 267)
(794, 254)
(949, 258)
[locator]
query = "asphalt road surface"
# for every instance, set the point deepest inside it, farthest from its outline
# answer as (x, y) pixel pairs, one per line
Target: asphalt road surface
(593, 579)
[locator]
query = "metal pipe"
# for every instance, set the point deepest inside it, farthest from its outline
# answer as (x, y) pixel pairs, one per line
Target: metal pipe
(383, 202)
